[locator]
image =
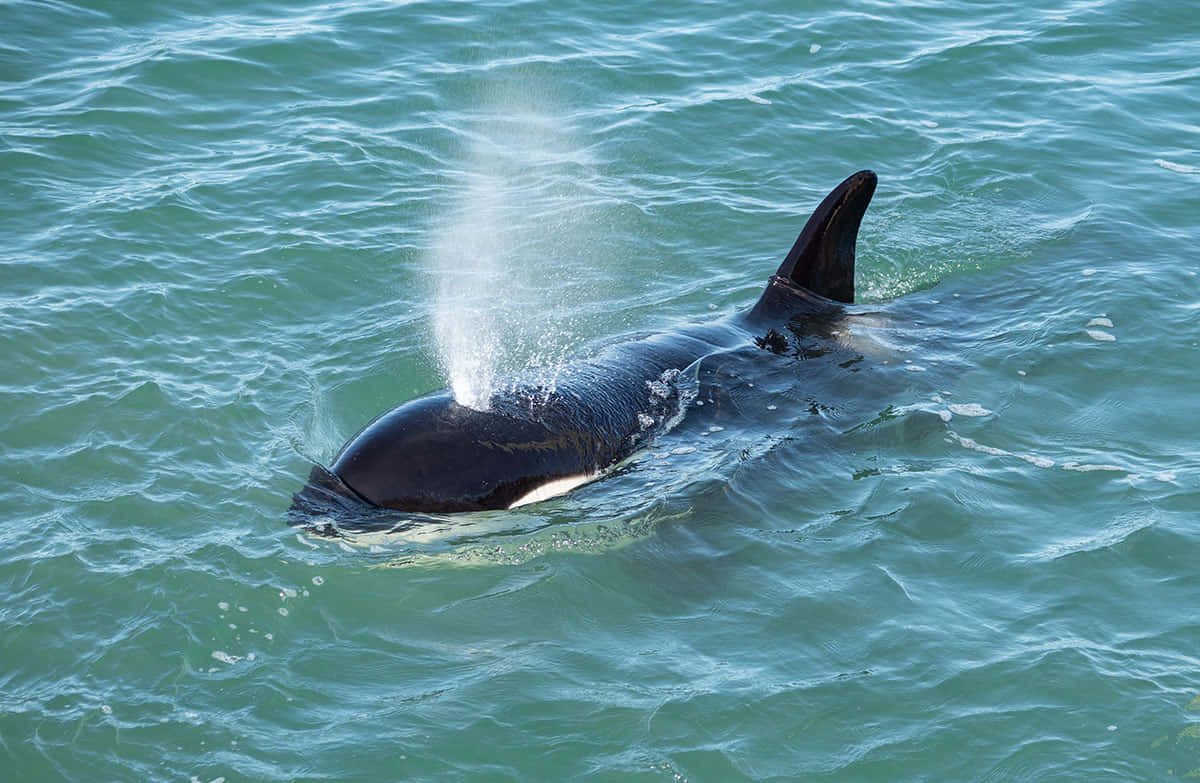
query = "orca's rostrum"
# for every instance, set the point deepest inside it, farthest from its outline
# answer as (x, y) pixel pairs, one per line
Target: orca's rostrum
(433, 455)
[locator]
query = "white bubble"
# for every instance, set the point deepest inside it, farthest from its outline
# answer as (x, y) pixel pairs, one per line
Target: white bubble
(223, 606)
(772, 407)
(1088, 272)
(283, 611)
(1091, 468)
(107, 710)
(318, 580)
(977, 446)
(969, 409)
(814, 48)
(225, 657)
(1036, 461)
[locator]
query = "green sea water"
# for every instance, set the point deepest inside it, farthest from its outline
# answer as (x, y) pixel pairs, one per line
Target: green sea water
(235, 232)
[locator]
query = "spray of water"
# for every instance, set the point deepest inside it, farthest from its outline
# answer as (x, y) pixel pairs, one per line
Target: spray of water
(501, 255)
(469, 324)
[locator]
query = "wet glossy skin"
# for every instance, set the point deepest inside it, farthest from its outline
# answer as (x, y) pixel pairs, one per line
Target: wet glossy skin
(434, 455)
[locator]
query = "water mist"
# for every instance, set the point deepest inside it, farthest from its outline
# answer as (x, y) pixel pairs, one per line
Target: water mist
(503, 255)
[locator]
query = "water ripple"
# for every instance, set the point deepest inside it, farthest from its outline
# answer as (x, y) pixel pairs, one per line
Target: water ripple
(226, 232)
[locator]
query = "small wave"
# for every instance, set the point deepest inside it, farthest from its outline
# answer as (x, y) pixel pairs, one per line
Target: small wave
(510, 550)
(1114, 534)
(1178, 168)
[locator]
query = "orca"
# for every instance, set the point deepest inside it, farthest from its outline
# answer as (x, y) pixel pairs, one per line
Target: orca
(534, 442)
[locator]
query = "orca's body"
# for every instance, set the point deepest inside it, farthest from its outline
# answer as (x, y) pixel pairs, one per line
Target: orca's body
(433, 455)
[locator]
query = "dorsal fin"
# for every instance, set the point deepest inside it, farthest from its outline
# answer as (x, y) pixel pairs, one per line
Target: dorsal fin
(822, 260)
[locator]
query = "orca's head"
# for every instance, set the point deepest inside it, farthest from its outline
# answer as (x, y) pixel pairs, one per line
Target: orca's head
(434, 455)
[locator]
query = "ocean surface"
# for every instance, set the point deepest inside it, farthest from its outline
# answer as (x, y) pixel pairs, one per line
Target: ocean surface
(233, 233)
